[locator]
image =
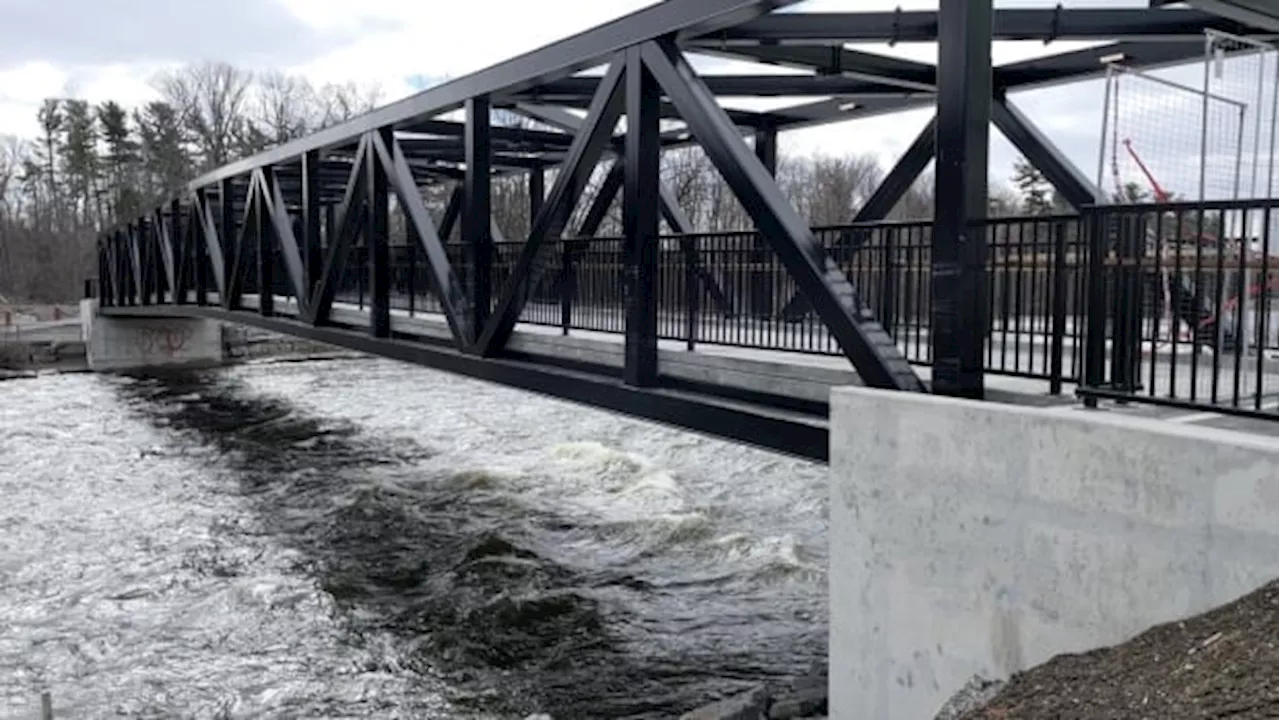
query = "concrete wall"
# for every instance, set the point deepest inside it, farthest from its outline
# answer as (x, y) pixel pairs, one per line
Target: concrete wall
(116, 344)
(982, 539)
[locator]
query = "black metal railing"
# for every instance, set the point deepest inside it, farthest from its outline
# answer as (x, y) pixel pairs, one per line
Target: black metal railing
(730, 288)
(1171, 304)
(1182, 305)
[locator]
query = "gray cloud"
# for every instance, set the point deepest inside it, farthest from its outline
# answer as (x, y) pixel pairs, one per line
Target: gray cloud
(84, 32)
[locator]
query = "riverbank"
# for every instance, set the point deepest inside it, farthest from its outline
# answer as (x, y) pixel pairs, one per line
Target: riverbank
(1218, 664)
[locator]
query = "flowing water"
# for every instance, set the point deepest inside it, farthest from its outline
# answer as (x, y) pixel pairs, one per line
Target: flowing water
(375, 540)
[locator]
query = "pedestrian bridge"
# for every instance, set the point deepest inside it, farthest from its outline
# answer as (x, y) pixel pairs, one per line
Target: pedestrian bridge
(381, 233)
(957, 526)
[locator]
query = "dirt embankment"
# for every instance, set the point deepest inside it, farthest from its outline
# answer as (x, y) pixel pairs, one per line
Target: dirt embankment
(1220, 664)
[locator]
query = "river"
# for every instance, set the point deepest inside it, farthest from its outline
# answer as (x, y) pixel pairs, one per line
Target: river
(364, 539)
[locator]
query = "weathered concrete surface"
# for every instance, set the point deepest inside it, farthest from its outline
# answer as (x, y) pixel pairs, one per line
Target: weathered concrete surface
(118, 344)
(982, 539)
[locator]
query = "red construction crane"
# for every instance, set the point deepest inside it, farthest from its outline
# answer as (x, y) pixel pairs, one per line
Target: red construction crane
(1161, 195)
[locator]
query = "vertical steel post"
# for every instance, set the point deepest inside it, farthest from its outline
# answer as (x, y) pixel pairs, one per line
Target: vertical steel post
(414, 239)
(179, 250)
(148, 238)
(537, 191)
(760, 301)
(477, 236)
(144, 276)
(888, 278)
(1126, 325)
(767, 147)
(227, 234)
(640, 222)
(959, 233)
(131, 275)
(262, 234)
(377, 240)
(312, 256)
(199, 253)
(330, 219)
(569, 250)
(102, 276)
(1059, 300)
(1096, 308)
(134, 265)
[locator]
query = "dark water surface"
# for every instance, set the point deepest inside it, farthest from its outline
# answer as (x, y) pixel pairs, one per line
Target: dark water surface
(371, 539)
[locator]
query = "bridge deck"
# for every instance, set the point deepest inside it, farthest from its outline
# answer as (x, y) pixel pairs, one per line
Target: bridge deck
(773, 398)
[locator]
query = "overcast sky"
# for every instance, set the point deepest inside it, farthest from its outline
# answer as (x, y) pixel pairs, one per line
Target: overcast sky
(101, 49)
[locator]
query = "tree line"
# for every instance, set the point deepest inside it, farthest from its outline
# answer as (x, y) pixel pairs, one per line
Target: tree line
(92, 164)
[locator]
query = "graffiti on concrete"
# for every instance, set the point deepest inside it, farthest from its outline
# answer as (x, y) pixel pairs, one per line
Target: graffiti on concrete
(166, 340)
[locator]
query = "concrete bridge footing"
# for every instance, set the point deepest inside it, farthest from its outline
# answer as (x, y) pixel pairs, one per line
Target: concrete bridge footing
(980, 539)
(116, 344)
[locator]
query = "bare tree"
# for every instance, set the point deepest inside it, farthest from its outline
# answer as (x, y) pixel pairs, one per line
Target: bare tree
(211, 100)
(286, 106)
(341, 102)
(688, 173)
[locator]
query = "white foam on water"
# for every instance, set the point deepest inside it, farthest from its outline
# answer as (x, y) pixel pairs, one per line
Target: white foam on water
(128, 588)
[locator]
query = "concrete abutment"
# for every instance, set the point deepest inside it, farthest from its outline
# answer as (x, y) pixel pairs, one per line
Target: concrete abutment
(116, 344)
(979, 539)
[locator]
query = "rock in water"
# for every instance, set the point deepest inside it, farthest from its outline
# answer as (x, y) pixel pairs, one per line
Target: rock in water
(807, 697)
(750, 705)
(800, 704)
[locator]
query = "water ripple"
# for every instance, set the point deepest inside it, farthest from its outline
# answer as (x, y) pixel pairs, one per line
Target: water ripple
(368, 539)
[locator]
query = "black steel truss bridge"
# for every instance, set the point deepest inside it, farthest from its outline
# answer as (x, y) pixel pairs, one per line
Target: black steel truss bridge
(272, 240)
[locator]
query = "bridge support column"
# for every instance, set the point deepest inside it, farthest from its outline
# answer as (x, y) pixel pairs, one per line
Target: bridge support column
(114, 344)
(959, 219)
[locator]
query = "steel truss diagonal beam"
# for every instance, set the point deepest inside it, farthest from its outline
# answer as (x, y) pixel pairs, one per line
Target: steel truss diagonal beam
(600, 204)
(210, 239)
(873, 353)
(900, 179)
(452, 209)
(560, 59)
(275, 210)
(599, 208)
(240, 248)
(588, 145)
(347, 222)
(882, 201)
(444, 281)
(1044, 155)
(164, 239)
(135, 254)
